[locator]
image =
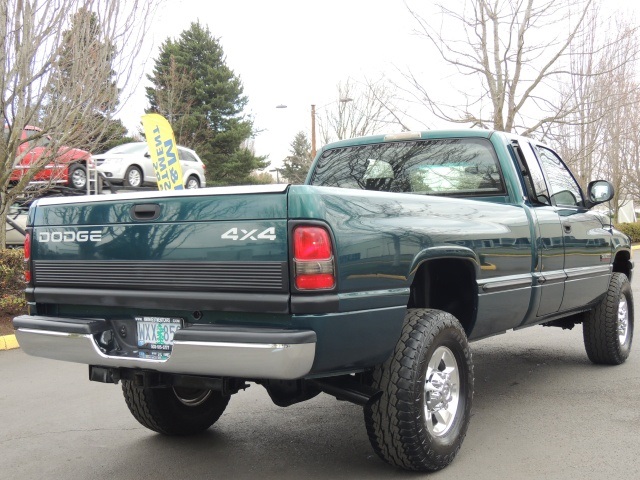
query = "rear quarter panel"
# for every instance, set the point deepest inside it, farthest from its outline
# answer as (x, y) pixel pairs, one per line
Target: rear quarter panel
(383, 238)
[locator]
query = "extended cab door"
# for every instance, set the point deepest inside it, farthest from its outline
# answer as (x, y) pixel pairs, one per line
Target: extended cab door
(548, 271)
(587, 244)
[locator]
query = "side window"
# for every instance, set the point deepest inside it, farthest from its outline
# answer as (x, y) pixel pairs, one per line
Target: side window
(535, 184)
(564, 189)
(42, 141)
(186, 156)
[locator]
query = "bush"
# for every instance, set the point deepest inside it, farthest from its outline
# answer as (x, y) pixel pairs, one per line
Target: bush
(12, 299)
(631, 229)
(12, 304)
(12, 271)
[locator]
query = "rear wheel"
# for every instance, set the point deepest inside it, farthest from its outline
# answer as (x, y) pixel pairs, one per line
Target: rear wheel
(77, 176)
(608, 328)
(174, 410)
(133, 177)
(421, 418)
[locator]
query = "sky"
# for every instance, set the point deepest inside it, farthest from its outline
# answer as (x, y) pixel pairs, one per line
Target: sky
(295, 52)
(288, 52)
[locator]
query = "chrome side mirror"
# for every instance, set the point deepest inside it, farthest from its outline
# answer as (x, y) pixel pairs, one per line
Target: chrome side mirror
(599, 191)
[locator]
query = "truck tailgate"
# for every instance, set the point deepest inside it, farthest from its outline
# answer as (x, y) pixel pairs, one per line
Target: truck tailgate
(209, 240)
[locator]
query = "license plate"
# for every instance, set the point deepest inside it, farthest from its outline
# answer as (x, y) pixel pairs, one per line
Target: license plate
(156, 333)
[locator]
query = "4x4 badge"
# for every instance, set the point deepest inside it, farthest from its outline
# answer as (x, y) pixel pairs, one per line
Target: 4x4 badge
(239, 234)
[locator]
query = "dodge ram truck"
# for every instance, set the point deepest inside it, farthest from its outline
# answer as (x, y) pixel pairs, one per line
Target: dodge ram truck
(366, 283)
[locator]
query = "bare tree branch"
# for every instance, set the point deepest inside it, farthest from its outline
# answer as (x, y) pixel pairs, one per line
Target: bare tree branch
(62, 76)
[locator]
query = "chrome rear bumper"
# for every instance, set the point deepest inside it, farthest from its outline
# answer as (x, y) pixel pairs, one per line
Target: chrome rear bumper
(251, 353)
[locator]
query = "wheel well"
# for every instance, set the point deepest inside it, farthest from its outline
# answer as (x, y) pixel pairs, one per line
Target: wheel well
(622, 264)
(73, 163)
(448, 285)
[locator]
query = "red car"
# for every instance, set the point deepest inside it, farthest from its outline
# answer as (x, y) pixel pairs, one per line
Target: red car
(68, 168)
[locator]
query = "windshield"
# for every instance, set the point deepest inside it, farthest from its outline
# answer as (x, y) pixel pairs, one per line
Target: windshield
(461, 167)
(129, 148)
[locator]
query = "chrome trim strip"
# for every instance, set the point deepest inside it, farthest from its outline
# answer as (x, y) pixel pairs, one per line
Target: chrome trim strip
(243, 360)
(492, 285)
(587, 272)
(550, 278)
(233, 344)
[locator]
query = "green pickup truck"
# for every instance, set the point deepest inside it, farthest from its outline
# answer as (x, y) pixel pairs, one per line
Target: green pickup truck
(365, 283)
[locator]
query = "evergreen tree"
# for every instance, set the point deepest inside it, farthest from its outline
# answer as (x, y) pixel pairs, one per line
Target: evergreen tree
(202, 98)
(85, 38)
(296, 166)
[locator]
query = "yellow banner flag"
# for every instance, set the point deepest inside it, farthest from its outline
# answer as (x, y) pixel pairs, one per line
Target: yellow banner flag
(164, 152)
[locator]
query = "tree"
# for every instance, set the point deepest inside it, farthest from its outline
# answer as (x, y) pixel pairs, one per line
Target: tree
(296, 166)
(202, 98)
(114, 134)
(597, 138)
(261, 178)
(510, 55)
(57, 73)
(361, 109)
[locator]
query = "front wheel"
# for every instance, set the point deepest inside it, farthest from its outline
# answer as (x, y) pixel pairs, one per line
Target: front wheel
(608, 328)
(174, 410)
(133, 177)
(421, 418)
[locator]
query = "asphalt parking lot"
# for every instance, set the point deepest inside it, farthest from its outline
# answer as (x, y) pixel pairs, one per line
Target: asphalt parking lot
(541, 411)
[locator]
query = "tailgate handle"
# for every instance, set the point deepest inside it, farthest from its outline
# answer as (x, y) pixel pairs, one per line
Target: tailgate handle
(145, 211)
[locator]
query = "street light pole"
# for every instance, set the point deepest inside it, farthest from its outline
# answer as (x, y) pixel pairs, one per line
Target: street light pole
(313, 132)
(277, 170)
(313, 121)
(313, 124)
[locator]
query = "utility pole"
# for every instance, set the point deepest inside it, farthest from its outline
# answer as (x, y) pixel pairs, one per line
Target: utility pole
(313, 132)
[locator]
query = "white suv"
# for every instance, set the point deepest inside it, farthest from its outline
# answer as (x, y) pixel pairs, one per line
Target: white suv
(130, 164)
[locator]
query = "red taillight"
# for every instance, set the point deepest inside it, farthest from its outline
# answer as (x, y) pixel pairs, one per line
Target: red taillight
(313, 259)
(311, 243)
(27, 247)
(27, 257)
(320, 281)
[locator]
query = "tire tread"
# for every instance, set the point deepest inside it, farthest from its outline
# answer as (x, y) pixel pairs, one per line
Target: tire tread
(155, 409)
(600, 324)
(393, 432)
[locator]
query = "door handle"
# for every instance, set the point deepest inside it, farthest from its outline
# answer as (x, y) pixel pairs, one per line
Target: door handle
(566, 227)
(145, 211)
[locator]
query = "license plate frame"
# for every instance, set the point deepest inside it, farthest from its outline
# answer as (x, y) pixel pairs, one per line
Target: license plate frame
(154, 335)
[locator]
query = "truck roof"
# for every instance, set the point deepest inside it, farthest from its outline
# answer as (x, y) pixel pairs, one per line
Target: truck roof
(413, 135)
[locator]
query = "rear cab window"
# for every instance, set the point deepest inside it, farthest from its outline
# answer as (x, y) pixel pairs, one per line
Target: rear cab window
(449, 167)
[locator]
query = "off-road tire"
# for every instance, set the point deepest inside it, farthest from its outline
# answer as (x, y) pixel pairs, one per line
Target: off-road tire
(608, 328)
(397, 422)
(161, 410)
